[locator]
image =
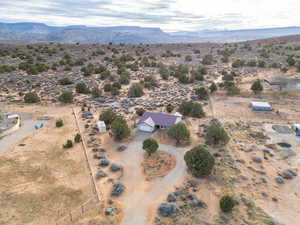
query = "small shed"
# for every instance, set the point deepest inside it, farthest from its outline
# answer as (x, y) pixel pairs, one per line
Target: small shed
(13, 116)
(261, 106)
(297, 128)
(101, 126)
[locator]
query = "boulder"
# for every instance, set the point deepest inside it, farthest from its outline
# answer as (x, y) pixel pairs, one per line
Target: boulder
(197, 203)
(167, 210)
(279, 180)
(241, 161)
(99, 156)
(100, 174)
(114, 167)
(171, 198)
(121, 148)
(103, 162)
(117, 189)
(216, 154)
(284, 145)
(288, 174)
(256, 159)
(193, 183)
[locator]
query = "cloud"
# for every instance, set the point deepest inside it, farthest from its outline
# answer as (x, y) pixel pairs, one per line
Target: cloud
(170, 15)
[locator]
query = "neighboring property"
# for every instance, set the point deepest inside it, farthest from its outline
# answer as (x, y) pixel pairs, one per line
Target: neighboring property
(152, 120)
(9, 123)
(101, 126)
(282, 82)
(297, 129)
(261, 106)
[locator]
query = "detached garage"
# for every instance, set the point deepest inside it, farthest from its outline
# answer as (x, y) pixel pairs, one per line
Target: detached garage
(260, 106)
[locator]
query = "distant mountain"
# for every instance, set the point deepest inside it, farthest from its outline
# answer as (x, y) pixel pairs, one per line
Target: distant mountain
(130, 34)
(239, 35)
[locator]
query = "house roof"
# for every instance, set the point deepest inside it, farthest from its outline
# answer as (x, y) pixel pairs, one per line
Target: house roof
(160, 119)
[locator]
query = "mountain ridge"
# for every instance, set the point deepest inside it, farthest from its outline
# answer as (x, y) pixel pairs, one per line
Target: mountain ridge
(26, 31)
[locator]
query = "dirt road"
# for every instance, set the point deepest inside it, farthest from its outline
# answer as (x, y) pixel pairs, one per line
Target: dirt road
(140, 196)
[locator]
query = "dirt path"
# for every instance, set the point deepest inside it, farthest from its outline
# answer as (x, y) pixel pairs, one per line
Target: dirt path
(27, 126)
(140, 194)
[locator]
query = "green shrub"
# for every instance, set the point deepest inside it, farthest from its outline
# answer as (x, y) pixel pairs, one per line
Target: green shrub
(216, 135)
(82, 88)
(66, 97)
(213, 87)
(77, 138)
(119, 128)
(107, 116)
(199, 161)
(96, 92)
(139, 111)
(188, 108)
(201, 93)
(227, 203)
(170, 108)
(69, 144)
(150, 145)
(257, 87)
(208, 60)
(135, 91)
(65, 81)
(179, 132)
(31, 97)
(59, 123)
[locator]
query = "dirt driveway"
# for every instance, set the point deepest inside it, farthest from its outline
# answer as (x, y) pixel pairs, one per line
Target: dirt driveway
(140, 194)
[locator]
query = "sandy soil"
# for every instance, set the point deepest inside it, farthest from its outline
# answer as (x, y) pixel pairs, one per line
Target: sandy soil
(142, 196)
(158, 164)
(41, 182)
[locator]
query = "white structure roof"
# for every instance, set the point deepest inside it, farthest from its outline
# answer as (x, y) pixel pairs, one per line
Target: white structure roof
(297, 125)
(101, 124)
(150, 122)
(10, 116)
(177, 114)
(261, 104)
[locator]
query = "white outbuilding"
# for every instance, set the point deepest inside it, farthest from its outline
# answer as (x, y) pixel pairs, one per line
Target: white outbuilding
(261, 106)
(101, 126)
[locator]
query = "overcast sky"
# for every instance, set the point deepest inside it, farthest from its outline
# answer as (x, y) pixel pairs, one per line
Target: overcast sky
(169, 15)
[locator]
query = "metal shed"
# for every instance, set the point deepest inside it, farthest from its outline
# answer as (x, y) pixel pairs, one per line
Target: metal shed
(261, 106)
(101, 126)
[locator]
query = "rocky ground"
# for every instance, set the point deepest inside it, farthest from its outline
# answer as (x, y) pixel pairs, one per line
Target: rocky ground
(259, 165)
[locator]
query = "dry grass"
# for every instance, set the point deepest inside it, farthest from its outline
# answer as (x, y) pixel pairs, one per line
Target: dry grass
(41, 182)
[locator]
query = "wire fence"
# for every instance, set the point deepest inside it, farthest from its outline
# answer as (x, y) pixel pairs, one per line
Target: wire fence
(92, 205)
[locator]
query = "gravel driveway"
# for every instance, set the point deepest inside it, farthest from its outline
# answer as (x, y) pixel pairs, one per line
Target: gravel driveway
(137, 199)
